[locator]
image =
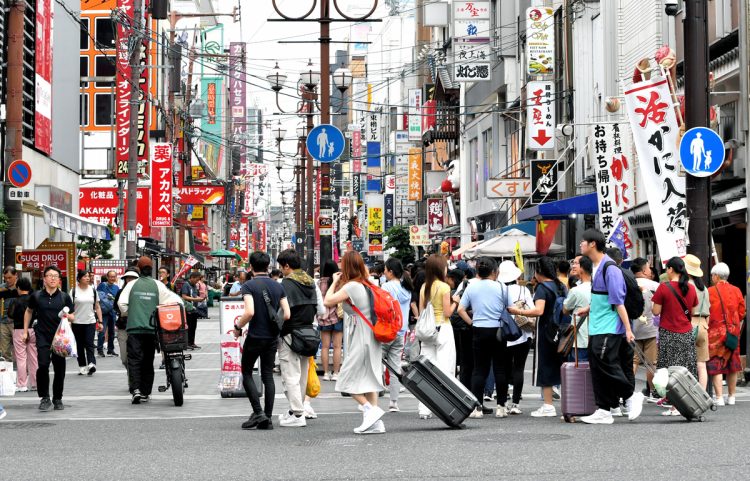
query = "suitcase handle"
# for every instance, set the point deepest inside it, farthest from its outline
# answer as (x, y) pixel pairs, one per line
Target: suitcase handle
(392, 368)
(650, 367)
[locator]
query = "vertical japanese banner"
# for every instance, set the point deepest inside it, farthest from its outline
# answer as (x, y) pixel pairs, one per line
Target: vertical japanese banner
(43, 80)
(615, 173)
(373, 127)
(161, 184)
(389, 201)
(415, 114)
(375, 207)
(415, 174)
(237, 97)
(540, 115)
(122, 89)
(373, 166)
(262, 235)
(243, 235)
(357, 187)
(544, 180)
(356, 151)
(655, 134)
(435, 215)
(345, 204)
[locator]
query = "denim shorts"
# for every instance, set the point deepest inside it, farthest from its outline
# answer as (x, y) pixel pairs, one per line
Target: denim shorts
(338, 327)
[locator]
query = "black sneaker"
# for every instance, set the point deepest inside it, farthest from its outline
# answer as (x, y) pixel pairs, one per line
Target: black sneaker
(486, 410)
(136, 399)
(58, 404)
(112, 354)
(266, 425)
(254, 420)
(145, 398)
(100, 353)
(45, 405)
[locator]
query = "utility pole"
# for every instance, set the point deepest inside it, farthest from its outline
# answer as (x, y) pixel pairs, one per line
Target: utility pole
(135, 93)
(698, 189)
(744, 119)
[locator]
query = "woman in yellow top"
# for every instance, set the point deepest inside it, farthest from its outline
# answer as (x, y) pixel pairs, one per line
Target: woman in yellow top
(437, 292)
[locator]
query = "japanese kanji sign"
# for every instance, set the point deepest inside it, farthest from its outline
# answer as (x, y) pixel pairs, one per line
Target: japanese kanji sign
(472, 32)
(655, 133)
(415, 174)
(100, 204)
(435, 215)
(373, 127)
(161, 184)
(375, 220)
(614, 169)
(419, 235)
(356, 151)
(543, 181)
(237, 97)
(508, 188)
(415, 114)
(540, 40)
(540, 115)
(201, 194)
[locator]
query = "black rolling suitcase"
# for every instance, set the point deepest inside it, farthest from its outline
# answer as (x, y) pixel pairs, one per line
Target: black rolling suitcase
(445, 396)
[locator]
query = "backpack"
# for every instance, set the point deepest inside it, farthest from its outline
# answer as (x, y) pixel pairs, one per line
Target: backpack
(559, 319)
(387, 317)
(634, 302)
(106, 303)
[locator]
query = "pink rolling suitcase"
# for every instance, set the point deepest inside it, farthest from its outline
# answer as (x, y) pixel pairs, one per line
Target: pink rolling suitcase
(576, 389)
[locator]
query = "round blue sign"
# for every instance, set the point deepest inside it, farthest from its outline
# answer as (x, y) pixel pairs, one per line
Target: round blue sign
(325, 143)
(701, 152)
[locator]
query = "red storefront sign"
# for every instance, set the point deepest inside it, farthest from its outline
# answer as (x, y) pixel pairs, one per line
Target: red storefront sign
(242, 243)
(100, 204)
(43, 68)
(161, 185)
(38, 259)
(201, 194)
(211, 101)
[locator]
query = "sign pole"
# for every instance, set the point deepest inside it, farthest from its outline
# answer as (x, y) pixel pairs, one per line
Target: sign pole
(698, 189)
(135, 73)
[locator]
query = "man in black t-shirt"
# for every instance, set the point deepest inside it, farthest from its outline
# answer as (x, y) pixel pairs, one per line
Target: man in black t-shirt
(47, 304)
(262, 337)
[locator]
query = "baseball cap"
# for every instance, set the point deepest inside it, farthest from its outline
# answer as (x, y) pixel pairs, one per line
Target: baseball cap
(144, 261)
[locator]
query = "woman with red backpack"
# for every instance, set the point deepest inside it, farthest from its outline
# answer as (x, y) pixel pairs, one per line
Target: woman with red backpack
(361, 372)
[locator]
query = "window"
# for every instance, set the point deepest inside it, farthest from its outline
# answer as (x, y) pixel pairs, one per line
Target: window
(84, 34)
(105, 33)
(474, 166)
(84, 115)
(104, 66)
(487, 148)
(84, 69)
(103, 109)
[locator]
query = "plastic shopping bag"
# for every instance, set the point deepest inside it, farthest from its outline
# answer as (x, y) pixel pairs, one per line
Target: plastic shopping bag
(64, 343)
(411, 346)
(7, 379)
(425, 329)
(313, 382)
(661, 379)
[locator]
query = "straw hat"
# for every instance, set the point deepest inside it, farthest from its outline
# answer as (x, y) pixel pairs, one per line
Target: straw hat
(693, 265)
(508, 272)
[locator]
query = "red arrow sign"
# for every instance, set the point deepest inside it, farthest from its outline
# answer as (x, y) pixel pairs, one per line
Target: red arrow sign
(541, 137)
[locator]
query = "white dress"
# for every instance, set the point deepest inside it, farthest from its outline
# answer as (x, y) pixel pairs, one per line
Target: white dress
(361, 371)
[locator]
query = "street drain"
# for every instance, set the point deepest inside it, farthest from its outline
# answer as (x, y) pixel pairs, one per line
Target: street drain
(516, 438)
(330, 442)
(24, 425)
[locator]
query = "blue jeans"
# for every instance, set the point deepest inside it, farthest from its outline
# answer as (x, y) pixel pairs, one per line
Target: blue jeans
(583, 355)
(108, 326)
(489, 385)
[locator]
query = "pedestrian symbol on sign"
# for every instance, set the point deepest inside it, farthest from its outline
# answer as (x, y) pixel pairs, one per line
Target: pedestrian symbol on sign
(325, 143)
(701, 152)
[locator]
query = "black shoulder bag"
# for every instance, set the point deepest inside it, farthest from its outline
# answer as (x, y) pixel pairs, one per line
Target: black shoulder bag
(276, 315)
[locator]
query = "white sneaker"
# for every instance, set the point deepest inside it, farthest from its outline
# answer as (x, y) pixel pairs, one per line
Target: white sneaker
(635, 405)
(616, 412)
(82, 371)
(476, 414)
(377, 428)
(360, 408)
(289, 420)
(671, 412)
(501, 412)
(327, 376)
(91, 369)
(719, 401)
(370, 417)
(335, 377)
(600, 416)
(731, 401)
(428, 416)
(393, 408)
(309, 411)
(546, 411)
(514, 409)
(22, 389)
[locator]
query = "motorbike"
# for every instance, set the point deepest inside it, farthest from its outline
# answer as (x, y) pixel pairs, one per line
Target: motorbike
(172, 335)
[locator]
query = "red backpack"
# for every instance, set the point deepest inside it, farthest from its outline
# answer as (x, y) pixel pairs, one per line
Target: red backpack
(387, 312)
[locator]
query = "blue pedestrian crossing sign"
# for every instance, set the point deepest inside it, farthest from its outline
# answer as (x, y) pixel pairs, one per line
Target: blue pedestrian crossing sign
(325, 143)
(701, 152)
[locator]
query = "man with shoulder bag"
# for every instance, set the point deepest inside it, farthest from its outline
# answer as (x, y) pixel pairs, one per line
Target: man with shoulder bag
(299, 339)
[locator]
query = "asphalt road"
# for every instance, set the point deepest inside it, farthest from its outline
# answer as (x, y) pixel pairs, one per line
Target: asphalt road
(101, 436)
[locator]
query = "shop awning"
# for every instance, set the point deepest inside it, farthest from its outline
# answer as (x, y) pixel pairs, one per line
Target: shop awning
(59, 219)
(528, 227)
(562, 209)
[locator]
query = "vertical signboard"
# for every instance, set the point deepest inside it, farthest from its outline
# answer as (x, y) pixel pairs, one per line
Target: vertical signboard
(122, 89)
(415, 174)
(43, 74)
(375, 207)
(373, 127)
(161, 184)
(415, 114)
(540, 40)
(543, 180)
(655, 133)
(540, 115)
(471, 28)
(356, 151)
(237, 98)
(614, 172)
(243, 234)
(389, 201)
(435, 215)
(373, 166)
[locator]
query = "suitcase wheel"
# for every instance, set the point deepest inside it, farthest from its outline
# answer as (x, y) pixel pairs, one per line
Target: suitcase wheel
(702, 418)
(714, 407)
(568, 418)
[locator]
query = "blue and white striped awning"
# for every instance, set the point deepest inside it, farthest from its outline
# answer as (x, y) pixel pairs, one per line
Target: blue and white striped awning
(59, 219)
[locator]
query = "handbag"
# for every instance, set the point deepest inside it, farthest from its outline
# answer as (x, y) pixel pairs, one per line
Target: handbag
(731, 342)
(7, 378)
(569, 335)
(276, 315)
(412, 349)
(526, 323)
(426, 329)
(313, 382)
(305, 341)
(508, 330)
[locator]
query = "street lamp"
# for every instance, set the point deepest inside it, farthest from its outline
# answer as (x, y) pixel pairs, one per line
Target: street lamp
(310, 77)
(279, 132)
(301, 132)
(276, 78)
(342, 79)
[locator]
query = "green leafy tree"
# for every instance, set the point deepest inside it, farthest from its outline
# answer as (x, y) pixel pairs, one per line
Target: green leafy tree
(96, 249)
(398, 240)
